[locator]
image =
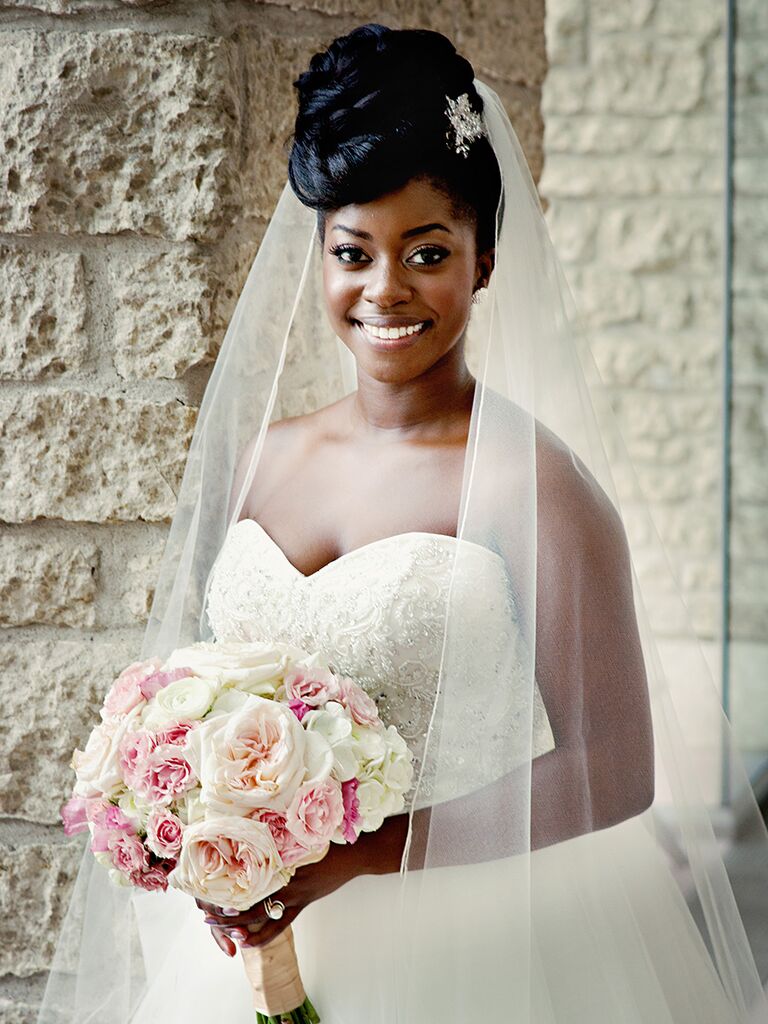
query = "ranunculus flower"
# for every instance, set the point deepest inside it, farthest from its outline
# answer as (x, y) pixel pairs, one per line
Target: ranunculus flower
(186, 699)
(125, 692)
(254, 757)
(97, 769)
(312, 684)
(252, 667)
(165, 774)
(316, 812)
(153, 684)
(361, 706)
(164, 831)
(229, 861)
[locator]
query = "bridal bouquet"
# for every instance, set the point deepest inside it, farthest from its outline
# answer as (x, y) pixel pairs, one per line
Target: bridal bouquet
(222, 770)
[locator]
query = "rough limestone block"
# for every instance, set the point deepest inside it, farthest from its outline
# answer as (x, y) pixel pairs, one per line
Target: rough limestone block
(653, 236)
(36, 880)
(51, 691)
(78, 456)
(566, 32)
(623, 135)
(109, 131)
(42, 313)
(641, 357)
(573, 229)
(172, 309)
(600, 176)
(605, 296)
(635, 74)
(619, 15)
(46, 580)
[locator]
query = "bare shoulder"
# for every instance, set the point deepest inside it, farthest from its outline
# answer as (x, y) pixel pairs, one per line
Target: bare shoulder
(287, 443)
(574, 510)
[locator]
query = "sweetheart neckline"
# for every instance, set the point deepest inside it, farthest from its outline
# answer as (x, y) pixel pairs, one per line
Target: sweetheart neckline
(363, 547)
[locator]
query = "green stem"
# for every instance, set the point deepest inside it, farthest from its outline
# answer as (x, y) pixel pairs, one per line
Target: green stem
(304, 1014)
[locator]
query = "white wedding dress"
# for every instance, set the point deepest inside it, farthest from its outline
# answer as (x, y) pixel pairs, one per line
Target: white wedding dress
(609, 947)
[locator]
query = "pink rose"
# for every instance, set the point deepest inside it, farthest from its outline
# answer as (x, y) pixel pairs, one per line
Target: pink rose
(133, 755)
(152, 879)
(288, 846)
(362, 707)
(159, 680)
(128, 853)
(352, 815)
(315, 812)
(164, 775)
(314, 685)
(73, 814)
(164, 831)
(126, 692)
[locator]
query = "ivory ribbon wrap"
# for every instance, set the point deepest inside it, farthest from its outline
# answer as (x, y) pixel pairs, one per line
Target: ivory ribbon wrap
(273, 972)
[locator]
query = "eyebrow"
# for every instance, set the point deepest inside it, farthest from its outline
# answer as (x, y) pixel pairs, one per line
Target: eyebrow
(421, 230)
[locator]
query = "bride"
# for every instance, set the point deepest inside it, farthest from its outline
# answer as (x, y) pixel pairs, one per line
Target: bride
(418, 479)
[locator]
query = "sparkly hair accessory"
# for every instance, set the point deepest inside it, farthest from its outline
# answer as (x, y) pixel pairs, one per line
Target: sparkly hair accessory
(467, 123)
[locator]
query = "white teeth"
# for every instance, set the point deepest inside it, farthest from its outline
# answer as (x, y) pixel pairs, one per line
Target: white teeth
(391, 333)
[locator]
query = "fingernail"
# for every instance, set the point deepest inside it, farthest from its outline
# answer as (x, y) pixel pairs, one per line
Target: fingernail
(230, 911)
(239, 934)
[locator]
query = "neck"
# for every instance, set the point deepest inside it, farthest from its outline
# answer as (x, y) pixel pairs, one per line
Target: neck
(393, 408)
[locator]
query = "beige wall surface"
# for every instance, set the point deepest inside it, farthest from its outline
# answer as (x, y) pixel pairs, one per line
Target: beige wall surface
(634, 108)
(142, 158)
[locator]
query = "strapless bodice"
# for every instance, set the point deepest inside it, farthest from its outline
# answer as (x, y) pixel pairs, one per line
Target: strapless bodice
(378, 614)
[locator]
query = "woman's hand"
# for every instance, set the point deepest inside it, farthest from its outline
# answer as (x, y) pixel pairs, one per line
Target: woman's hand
(374, 853)
(310, 882)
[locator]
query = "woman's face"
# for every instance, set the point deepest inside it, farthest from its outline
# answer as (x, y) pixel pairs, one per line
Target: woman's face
(402, 259)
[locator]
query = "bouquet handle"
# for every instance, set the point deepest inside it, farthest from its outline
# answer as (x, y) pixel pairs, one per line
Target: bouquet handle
(273, 973)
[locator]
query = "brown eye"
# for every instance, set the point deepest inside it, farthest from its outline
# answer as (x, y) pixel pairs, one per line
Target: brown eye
(339, 250)
(432, 250)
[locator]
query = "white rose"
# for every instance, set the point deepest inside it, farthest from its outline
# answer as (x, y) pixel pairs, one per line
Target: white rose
(229, 861)
(253, 757)
(253, 667)
(118, 877)
(186, 699)
(96, 767)
(228, 700)
(335, 726)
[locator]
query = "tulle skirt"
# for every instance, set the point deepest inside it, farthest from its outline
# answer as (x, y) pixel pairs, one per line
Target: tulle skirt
(612, 942)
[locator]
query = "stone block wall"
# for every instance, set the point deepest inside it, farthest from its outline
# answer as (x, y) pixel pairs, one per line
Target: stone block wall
(142, 156)
(634, 109)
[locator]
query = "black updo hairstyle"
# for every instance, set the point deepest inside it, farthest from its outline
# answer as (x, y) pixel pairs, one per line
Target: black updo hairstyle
(372, 116)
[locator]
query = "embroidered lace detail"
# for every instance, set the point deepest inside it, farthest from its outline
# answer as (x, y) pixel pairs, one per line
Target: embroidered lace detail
(378, 615)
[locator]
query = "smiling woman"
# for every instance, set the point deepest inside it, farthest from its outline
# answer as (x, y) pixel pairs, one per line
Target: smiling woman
(446, 531)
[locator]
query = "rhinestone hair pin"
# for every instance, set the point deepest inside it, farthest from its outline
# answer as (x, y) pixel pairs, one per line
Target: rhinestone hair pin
(467, 124)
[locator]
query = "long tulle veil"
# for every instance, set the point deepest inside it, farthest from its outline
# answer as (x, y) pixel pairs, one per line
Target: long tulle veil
(539, 490)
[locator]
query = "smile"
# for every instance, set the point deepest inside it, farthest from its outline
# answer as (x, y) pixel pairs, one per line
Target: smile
(388, 338)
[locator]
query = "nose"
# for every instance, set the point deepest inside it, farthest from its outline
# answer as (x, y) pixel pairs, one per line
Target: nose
(385, 285)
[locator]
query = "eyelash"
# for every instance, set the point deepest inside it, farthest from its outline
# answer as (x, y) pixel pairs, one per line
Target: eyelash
(337, 249)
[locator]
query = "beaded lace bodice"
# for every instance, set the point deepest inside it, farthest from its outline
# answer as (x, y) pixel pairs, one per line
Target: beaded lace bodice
(378, 614)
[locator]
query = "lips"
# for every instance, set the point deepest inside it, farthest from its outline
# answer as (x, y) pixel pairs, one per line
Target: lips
(390, 344)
